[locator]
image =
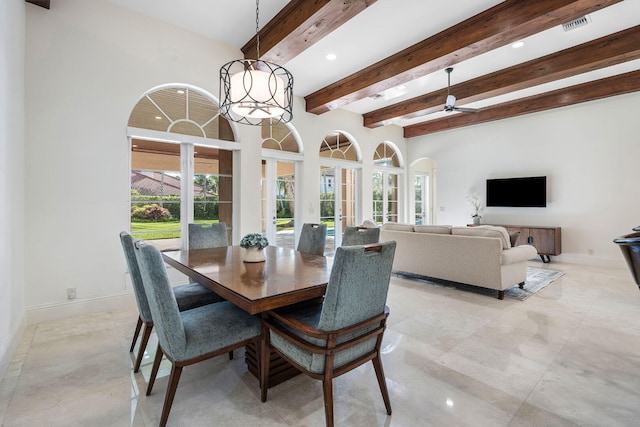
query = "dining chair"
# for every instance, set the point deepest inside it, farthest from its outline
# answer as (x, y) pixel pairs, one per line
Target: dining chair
(188, 337)
(360, 236)
(208, 236)
(187, 296)
(343, 332)
(312, 238)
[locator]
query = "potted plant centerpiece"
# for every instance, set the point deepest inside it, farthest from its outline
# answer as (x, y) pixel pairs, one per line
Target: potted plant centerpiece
(474, 200)
(254, 244)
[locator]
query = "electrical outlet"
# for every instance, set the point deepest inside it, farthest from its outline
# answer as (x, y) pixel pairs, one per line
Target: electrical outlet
(71, 293)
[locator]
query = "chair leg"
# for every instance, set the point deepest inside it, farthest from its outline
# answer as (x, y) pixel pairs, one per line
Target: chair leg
(263, 355)
(174, 378)
(154, 370)
(143, 345)
(377, 365)
(327, 386)
(135, 334)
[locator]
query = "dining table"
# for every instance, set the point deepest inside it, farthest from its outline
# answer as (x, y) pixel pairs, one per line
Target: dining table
(286, 277)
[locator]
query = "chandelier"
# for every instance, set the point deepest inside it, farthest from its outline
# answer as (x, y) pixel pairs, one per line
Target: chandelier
(256, 92)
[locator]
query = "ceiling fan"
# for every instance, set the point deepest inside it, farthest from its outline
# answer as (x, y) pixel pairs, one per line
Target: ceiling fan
(450, 103)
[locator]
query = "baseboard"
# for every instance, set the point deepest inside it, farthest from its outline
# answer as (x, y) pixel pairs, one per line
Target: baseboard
(9, 347)
(56, 311)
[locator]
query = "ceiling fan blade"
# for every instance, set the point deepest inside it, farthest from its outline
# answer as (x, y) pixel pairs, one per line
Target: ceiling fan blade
(466, 110)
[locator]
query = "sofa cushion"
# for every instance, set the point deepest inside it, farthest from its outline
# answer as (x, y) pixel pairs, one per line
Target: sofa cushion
(485, 231)
(395, 226)
(433, 229)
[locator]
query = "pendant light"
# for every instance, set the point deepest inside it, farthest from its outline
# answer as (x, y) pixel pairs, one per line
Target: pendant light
(256, 92)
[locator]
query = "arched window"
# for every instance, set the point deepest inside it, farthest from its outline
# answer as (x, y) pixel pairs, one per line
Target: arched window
(181, 164)
(386, 183)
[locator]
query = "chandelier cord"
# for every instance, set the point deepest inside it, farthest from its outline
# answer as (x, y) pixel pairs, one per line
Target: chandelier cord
(257, 28)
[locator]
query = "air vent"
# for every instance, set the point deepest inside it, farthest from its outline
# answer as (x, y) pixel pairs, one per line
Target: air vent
(576, 23)
(376, 96)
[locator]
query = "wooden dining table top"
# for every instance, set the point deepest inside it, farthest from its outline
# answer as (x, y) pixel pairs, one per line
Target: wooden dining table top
(286, 276)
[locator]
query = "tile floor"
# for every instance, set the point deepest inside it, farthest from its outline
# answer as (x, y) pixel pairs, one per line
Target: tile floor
(569, 355)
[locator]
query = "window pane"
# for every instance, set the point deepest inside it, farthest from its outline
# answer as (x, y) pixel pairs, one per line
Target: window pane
(155, 193)
(377, 198)
(348, 198)
(285, 204)
(212, 186)
(155, 205)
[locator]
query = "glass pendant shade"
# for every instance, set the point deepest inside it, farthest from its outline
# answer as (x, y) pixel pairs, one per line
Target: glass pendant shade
(254, 90)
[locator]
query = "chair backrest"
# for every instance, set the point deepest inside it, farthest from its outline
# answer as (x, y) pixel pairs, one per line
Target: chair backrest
(210, 236)
(127, 242)
(162, 301)
(313, 238)
(358, 285)
(360, 236)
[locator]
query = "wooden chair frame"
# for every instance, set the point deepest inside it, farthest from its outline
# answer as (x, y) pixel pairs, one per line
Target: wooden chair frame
(329, 351)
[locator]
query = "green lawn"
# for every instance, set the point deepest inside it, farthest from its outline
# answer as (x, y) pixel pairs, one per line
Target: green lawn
(160, 230)
(171, 229)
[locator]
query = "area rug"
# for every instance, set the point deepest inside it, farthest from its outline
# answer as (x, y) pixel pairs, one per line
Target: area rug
(537, 279)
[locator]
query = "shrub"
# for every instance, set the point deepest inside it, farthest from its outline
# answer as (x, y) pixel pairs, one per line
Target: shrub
(151, 213)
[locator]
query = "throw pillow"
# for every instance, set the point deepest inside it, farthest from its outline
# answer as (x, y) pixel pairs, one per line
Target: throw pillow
(513, 237)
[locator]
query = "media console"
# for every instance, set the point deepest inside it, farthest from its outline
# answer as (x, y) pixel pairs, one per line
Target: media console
(547, 240)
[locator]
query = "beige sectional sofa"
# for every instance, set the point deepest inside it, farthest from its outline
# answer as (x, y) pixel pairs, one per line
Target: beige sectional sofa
(480, 256)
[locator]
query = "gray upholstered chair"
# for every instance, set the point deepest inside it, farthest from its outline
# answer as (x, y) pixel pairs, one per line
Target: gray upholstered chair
(208, 236)
(190, 336)
(313, 238)
(345, 331)
(360, 236)
(187, 296)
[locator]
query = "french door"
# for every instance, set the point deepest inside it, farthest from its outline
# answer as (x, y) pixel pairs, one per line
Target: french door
(279, 202)
(338, 207)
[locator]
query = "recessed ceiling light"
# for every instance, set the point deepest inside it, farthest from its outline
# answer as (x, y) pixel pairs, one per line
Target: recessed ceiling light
(401, 87)
(158, 118)
(517, 45)
(331, 56)
(180, 91)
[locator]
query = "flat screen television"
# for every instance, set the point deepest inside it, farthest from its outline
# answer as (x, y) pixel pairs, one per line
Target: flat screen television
(530, 192)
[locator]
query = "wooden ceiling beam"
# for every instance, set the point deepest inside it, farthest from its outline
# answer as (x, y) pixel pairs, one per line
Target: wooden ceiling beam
(610, 50)
(502, 24)
(299, 25)
(42, 3)
(597, 89)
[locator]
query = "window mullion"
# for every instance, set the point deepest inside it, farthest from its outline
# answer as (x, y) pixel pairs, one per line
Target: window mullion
(186, 191)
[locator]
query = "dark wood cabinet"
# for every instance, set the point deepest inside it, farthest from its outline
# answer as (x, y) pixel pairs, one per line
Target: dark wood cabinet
(547, 240)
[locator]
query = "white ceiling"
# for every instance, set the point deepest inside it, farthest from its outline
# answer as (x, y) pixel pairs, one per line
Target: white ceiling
(384, 28)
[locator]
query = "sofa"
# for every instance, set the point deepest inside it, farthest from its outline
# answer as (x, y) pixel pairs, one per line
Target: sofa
(481, 256)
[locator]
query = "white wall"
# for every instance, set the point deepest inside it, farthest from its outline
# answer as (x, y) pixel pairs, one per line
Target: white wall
(12, 25)
(87, 63)
(589, 153)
